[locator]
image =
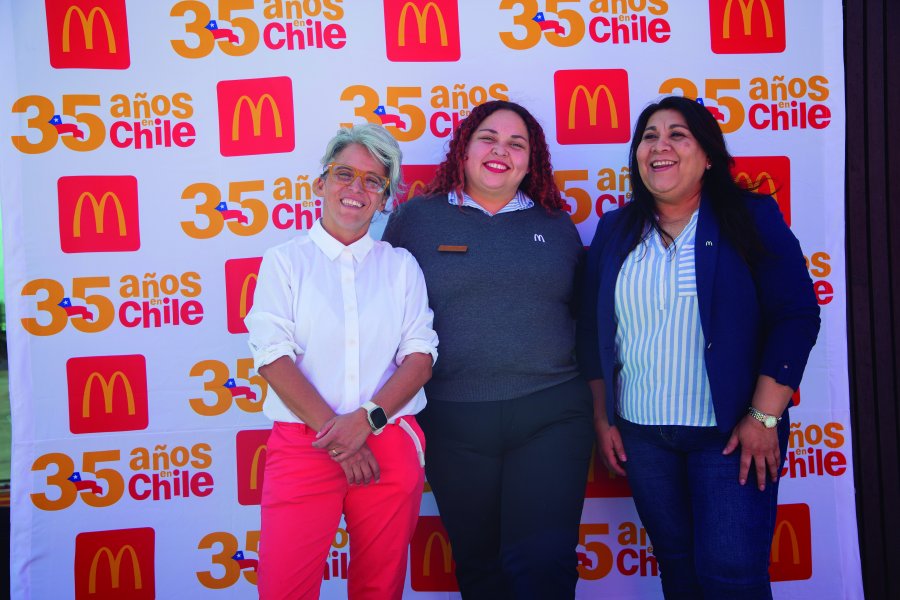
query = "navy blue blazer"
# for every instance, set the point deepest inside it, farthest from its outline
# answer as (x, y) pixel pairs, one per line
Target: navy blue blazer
(759, 322)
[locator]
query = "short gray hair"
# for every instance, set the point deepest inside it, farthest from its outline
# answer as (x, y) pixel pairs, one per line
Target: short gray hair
(378, 142)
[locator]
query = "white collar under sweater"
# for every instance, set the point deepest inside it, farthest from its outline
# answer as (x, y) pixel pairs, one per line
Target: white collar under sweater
(519, 202)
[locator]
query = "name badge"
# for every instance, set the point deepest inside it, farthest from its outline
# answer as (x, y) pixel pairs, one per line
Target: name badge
(449, 248)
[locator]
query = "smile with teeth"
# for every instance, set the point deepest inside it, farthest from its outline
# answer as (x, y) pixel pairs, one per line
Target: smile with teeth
(351, 202)
(659, 164)
(496, 167)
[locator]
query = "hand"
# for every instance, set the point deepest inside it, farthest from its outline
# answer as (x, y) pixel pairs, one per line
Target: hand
(360, 467)
(759, 445)
(610, 447)
(343, 435)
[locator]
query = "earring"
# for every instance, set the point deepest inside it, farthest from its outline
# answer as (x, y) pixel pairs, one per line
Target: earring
(708, 165)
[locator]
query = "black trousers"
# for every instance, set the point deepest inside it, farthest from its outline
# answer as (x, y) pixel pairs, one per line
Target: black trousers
(509, 480)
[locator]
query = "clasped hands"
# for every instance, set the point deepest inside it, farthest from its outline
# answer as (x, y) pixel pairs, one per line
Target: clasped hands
(344, 438)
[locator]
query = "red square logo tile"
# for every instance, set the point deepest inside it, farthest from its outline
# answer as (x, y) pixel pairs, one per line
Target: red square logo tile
(603, 483)
(592, 106)
(116, 564)
(421, 30)
(431, 565)
(87, 34)
(769, 175)
(791, 557)
(107, 393)
(747, 26)
(256, 116)
(416, 177)
(98, 214)
(241, 275)
(251, 464)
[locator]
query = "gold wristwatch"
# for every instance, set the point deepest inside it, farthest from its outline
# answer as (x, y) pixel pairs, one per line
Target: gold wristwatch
(769, 421)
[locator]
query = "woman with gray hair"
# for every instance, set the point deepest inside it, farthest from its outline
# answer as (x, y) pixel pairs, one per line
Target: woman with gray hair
(340, 328)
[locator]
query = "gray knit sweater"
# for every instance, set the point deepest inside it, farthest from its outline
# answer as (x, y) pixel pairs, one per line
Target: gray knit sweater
(503, 307)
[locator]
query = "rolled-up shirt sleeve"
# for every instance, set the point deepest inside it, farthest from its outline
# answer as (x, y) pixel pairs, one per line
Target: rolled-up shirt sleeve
(417, 334)
(270, 321)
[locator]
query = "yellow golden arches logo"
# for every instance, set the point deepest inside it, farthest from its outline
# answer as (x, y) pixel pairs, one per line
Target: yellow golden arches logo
(417, 186)
(421, 21)
(592, 99)
(744, 179)
(99, 212)
(776, 543)
(446, 554)
(87, 26)
(115, 565)
(254, 466)
(746, 15)
(107, 387)
(255, 115)
(245, 291)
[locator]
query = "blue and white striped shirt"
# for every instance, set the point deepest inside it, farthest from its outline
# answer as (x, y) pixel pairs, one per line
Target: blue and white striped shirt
(659, 339)
(519, 202)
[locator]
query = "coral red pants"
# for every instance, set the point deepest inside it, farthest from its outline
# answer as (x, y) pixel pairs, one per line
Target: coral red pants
(304, 494)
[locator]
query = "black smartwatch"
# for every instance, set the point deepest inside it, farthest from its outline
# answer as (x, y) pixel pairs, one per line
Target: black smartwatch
(376, 416)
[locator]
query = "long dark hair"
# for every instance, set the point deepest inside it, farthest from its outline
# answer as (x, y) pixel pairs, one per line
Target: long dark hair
(538, 182)
(726, 197)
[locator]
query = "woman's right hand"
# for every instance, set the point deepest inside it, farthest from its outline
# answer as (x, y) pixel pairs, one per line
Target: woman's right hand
(344, 434)
(610, 447)
(360, 467)
(609, 441)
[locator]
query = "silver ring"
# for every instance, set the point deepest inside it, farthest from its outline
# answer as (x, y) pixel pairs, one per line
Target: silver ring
(334, 452)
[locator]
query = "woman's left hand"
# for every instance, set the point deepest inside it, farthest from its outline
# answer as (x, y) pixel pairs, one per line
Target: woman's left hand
(758, 445)
(343, 435)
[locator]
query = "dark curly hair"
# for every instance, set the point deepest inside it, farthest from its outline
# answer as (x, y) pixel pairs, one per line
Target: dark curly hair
(538, 182)
(726, 197)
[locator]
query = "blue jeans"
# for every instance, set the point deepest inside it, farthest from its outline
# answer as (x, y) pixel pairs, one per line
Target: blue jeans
(711, 536)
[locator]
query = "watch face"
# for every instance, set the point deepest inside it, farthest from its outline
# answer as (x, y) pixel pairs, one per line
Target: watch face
(770, 422)
(378, 418)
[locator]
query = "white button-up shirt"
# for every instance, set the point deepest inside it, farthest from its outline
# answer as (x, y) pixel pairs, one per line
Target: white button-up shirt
(346, 315)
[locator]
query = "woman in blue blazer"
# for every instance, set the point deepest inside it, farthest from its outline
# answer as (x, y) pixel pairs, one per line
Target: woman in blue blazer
(697, 320)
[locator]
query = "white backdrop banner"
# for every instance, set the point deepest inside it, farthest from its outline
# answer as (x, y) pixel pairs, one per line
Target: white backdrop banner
(150, 152)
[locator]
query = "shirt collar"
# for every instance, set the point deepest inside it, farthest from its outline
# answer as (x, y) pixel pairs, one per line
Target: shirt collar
(692, 222)
(520, 201)
(332, 248)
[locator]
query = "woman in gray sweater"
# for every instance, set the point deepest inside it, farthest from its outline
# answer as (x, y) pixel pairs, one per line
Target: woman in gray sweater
(508, 421)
